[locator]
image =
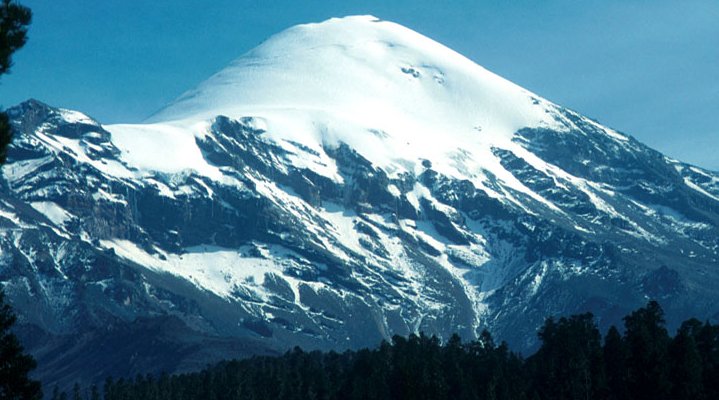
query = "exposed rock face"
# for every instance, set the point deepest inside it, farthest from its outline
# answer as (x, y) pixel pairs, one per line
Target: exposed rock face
(261, 240)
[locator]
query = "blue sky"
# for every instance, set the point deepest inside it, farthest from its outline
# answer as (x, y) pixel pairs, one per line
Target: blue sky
(648, 68)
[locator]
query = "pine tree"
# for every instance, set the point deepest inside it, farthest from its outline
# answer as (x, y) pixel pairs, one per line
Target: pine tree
(452, 361)
(648, 345)
(14, 20)
(615, 364)
(94, 393)
(76, 393)
(14, 364)
(707, 339)
(569, 363)
(686, 366)
(109, 389)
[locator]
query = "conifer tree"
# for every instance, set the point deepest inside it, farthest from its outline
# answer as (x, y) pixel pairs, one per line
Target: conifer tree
(14, 364)
(14, 20)
(94, 393)
(648, 345)
(569, 363)
(452, 365)
(76, 393)
(685, 366)
(615, 365)
(707, 339)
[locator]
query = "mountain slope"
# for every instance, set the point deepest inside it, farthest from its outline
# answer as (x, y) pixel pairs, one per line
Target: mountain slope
(343, 182)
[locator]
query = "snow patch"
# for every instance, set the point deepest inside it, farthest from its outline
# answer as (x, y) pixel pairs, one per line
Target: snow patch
(75, 117)
(56, 214)
(164, 148)
(212, 268)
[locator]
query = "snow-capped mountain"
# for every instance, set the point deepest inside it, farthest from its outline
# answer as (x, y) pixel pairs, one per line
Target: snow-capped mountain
(343, 182)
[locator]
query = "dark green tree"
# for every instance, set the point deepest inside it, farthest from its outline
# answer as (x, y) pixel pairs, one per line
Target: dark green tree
(14, 20)
(615, 364)
(76, 392)
(707, 338)
(94, 393)
(453, 366)
(108, 389)
(14, 364)
(569, 363)
(685, 365)
(647, 342)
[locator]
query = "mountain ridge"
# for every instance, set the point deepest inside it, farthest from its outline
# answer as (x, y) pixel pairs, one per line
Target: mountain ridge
(332, 230)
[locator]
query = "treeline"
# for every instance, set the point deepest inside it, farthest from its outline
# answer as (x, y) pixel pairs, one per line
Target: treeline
(574, 362)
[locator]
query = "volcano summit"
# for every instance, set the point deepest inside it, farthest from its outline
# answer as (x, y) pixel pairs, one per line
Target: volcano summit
(343, 182)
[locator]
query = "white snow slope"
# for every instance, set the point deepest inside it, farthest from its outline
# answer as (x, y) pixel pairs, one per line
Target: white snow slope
(391, 94)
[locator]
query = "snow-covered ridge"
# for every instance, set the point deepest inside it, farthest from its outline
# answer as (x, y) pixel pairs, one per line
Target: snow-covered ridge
(364, 181)
(392, 94)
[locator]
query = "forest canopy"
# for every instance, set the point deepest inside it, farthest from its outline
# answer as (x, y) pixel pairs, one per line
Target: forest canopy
(573, 362)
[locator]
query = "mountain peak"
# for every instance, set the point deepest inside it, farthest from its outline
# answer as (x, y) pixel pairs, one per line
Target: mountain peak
(344, 182)
(383, 89)
(348, 65)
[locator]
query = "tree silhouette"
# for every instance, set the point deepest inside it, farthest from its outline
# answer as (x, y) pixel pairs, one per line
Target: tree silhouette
(615, 364)
(14, 20)
(686, 365)
(648, 363)
(14, 364)
(569, 363)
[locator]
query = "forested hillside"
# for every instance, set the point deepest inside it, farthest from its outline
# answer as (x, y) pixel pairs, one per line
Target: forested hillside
(573, 362)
